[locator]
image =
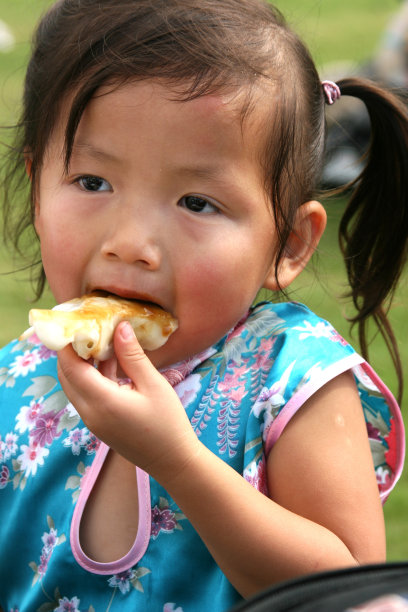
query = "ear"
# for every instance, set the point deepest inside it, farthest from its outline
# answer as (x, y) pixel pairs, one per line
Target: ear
(308, 228)
(28, 163)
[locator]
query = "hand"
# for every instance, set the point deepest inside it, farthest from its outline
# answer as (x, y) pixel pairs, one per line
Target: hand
(144, 421)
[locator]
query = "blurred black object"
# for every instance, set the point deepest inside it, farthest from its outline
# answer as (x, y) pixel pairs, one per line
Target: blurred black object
(373, 588)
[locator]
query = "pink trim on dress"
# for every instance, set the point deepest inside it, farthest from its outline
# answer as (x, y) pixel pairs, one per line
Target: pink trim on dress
(399, 425)
(144, 527)
(299, 398)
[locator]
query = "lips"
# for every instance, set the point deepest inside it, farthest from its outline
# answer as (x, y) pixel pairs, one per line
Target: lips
(126, 294)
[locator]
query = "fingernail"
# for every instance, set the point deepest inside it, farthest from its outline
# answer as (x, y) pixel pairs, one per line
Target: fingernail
(126, 331)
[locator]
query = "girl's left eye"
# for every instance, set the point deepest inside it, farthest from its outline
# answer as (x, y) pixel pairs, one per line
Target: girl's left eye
(197, 204)
(93, 183)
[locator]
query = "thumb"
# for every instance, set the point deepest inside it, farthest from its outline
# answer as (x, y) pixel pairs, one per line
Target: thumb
(131, 357)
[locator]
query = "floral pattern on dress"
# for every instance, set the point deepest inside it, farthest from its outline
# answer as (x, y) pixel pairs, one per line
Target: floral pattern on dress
(165, 520)
(232, 393)
(50, 540)
(40, 421)
(63, 604)
(129, 578)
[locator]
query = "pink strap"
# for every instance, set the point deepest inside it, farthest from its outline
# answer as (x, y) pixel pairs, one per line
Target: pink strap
(144, 528)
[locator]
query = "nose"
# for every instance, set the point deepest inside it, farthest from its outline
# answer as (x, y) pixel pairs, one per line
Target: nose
(133, 241)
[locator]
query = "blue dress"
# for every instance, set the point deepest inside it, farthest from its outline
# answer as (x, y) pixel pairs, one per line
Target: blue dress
(239, 396)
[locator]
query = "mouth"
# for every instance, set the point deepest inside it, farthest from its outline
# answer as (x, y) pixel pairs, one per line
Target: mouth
(124, 294)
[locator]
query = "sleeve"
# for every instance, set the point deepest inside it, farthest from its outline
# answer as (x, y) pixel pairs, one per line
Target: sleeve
(307, 353)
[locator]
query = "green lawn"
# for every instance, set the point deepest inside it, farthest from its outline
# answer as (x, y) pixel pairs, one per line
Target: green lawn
(334, 32)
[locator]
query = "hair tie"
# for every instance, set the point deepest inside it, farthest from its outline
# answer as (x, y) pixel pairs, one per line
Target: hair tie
(331, 91)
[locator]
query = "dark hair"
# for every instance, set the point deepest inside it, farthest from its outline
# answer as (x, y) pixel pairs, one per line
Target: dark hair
(200, 47)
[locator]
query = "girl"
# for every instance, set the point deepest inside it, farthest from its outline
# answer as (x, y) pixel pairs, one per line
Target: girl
(173, 149)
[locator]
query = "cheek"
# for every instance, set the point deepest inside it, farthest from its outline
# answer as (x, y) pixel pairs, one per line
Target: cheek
(216, 286)
(63, 253)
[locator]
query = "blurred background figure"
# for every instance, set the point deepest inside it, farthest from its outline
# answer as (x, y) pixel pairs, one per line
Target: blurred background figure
(349, 126)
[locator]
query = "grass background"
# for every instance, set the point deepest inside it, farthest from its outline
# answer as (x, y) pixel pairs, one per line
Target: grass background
(334, 34)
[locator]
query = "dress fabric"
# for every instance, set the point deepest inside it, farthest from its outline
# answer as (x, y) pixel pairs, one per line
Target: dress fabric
(239, 396)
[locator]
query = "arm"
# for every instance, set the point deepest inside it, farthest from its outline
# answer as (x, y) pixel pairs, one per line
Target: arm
(313, 523)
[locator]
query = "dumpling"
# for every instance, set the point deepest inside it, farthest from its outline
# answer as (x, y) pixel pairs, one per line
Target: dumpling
(88, 323)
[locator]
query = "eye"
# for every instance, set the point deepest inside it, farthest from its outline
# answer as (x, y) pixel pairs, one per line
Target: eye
(93, 183)
(198, 204)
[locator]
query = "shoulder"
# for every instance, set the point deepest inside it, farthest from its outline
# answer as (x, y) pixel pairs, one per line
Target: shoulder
(299, 336)
(295, 320)
(308, 356)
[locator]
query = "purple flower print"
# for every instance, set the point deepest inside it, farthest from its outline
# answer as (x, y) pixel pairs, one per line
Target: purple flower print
(163, 519)
(4, 476)
(46, 353)
(373, 432)
(77, 439)
(49, 539)
(122, 581)
(45, 429)
(68, 605)
(44, 558)
(92, 444)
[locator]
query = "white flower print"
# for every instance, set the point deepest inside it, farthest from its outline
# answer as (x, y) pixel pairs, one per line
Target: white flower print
(273, 397)
(68, 605)
(9, 446)
(49, 539)
(27, 416)
(122, 580)
(170, 607)
(187, 390)
(314, 373)
(31, 457)
(320, 330)
(383, 475)
(77, 439)
(23, 364)
(71, 411)
(364, 379)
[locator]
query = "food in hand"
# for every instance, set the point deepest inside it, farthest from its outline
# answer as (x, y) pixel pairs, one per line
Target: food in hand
(88, 324)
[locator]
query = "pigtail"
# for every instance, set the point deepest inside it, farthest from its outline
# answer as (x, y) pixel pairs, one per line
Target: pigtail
(374, 228)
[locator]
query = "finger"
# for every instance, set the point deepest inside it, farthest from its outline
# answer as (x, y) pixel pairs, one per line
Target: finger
(80, 379)
(133, 359)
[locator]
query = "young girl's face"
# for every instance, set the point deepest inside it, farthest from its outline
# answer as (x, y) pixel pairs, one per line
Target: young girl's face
(163, 201)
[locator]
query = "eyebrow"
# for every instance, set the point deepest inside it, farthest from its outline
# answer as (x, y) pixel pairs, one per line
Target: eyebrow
(83, 148)
(200, 171)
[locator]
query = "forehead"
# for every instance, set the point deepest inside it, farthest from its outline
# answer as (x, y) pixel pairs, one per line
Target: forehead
(242, 113)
